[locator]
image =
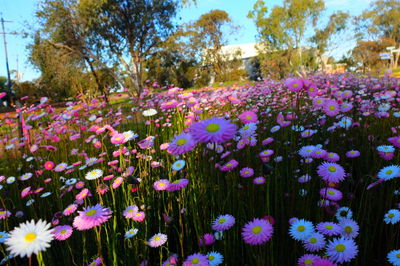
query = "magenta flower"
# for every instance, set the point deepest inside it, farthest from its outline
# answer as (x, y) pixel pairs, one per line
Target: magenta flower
(178, 184)
(248, 117)
(206, 240)
(215, 130)
(181, 143)
(395, 141)
(196, 259)
(331, 172)
(48, 165)
(169, 105)
(246, 172)
(118, 138)
(161, 184)
(62, 232)
(130, 211)
(294, 84)
(331, 194)
(223, 222)
(257, 232)
(92, 216)
(331, 108)
(157, 240)
(229, 165)
(70, 209)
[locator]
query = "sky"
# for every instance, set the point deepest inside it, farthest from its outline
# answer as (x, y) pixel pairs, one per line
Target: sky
(21, 13)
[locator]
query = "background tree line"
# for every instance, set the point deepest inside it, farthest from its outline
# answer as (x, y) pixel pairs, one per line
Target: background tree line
(92, 47)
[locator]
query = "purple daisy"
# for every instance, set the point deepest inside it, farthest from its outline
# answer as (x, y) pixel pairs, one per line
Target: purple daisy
(178, 184)
(257, 232)
(307, 259)
(259, 180)
(331, 172)
(315, 242)
(196, 259)
(331, 194)
(157, 240)
(319, 153)
(181, 143)
(332, 157)
(62, 232)
(91, 216)
(229, 165)
(341, 250)
(328, 228)
(352, 154)
(246, 172)
(130, 211)
(217, 130)
(223, 222)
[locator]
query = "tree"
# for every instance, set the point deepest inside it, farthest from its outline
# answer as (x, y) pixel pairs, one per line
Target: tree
(129, 31)
(336, 24)
(366, 54)
(382, 19)
(282, 29)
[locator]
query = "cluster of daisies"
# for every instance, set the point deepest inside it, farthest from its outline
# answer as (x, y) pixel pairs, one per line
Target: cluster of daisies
(328, 239)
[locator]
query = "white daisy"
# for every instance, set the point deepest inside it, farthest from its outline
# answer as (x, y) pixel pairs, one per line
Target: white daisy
(94, 174)
(29, 237)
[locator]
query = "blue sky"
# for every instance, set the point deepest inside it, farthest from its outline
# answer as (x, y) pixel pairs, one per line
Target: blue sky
(21, 12)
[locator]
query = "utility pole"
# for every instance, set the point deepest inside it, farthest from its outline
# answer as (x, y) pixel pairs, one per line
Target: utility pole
(6, 53)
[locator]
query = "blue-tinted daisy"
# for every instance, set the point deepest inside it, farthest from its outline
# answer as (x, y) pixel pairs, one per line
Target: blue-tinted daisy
(349, 228)
(3, 236)
(178, 165)
(341, 250)
(392, 216)
(328, 228)
(315, 242)
(343, 213)
(131, 232)
(301, 229)
(394, 257)
(389, 172)
(214, 258)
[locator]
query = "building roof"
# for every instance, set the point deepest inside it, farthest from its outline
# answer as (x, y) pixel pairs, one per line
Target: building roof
(248, 50)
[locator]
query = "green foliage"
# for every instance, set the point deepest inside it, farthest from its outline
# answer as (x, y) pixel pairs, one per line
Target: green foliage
(382, 19)
(366, 54)
(282, 31)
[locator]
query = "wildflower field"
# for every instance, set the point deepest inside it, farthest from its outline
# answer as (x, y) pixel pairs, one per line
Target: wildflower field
(302, 171)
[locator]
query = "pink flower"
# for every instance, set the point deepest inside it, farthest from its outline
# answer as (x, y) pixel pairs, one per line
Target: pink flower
(248, 117)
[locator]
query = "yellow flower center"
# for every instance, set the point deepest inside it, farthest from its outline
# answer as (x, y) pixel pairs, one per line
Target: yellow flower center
(211, 257)
(222, 220)
(308, 262)
(340, 248)
(311, 90)
(398, 255)
(329, 227)
(313, 240)
(157, 238)
(91, 213)
(180, 142)
(29, 237)
(246, 127)
(348, 229)
(195, 260)
(332, 107)
(213, 127)
(295, 85)
(63, 231)
(388, 172)
(301, 228)
(2, 212)
(256, 229)
(331, 192)
(332, 169)
(248, 117)
(390, 215)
